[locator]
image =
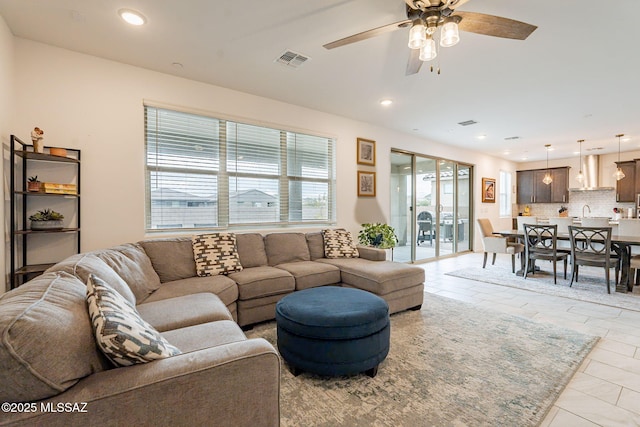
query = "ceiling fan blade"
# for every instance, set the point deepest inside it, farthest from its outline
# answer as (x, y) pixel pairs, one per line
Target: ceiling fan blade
(414, 63)
(367, 34)
(495, 26)
(458, 4)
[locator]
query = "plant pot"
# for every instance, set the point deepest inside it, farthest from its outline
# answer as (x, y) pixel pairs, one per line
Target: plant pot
(47, 225)
(33, 186)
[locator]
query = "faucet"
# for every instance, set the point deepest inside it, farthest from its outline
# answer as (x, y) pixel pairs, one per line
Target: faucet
(585, 206)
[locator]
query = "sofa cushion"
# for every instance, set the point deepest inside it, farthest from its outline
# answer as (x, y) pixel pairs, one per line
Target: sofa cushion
(309, 274)
(258, 282)
(215, 253)
(82, 265)
(134, 267)
(206, 335)
(251, 250)
(122, 335)
(315, 242)
(172, 258)
(378, 277)
(338, 243)
(221, 286)
(180, 312)
(286, 247)
(46, 343)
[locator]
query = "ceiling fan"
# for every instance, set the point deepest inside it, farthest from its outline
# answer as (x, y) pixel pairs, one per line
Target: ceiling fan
(425, 16)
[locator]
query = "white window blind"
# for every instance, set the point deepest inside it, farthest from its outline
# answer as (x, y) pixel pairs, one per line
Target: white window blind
(204, 172)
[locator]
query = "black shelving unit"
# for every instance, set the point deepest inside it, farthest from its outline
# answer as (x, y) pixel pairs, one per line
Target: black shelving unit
(24, 160)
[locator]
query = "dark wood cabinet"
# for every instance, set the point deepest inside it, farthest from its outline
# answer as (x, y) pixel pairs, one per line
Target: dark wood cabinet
(560, 185)
(524, 187)
(531, 189)
(626, 187)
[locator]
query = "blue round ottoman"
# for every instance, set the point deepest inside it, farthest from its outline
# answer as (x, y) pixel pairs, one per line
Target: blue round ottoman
(333, 331)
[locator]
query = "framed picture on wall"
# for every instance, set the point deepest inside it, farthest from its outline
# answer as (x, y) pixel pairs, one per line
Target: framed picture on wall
(366, 152)
(488, 190)
(366, 184)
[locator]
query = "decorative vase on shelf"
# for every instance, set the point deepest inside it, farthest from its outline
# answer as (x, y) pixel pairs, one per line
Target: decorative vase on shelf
(38, 146)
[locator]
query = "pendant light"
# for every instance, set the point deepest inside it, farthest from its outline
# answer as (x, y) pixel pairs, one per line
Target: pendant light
(618, 174)
(547, 176)
(580, 177)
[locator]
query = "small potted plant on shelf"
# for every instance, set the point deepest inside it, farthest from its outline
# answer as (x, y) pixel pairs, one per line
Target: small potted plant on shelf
(378, 235)
(33, 184)
(46, 219)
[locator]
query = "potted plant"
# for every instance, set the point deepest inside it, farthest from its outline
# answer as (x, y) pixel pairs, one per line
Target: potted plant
(46, 219)
(33, 184)
(378, 235)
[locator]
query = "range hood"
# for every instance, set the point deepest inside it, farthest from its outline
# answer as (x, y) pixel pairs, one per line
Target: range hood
(591, 172)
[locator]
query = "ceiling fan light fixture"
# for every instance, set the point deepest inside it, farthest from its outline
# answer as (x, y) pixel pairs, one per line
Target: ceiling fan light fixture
(428, 52)
(417, 35)
(449, 34)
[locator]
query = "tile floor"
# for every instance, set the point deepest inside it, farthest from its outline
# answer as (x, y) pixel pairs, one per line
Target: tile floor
(605, 391)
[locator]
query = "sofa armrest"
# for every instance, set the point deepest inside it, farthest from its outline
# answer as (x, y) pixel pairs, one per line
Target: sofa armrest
(372, 254)
(236, 384)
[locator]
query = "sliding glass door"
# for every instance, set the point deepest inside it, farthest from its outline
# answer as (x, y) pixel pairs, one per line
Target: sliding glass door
(430, 206)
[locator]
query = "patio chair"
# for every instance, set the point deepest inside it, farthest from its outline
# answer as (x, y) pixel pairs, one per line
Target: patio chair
(592, 246)
(497, 244)
(541, 243)
(426, 231)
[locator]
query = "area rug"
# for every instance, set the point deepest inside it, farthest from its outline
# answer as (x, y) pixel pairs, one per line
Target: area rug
(590, 288)
(450, 364)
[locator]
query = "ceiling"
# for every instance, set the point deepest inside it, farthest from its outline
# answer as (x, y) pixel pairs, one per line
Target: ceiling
(575, 77)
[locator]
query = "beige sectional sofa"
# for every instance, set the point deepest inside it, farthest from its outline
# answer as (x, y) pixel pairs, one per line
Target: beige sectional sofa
(48, 355)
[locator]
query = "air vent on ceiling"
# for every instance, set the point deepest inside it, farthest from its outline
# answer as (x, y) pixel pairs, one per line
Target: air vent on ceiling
(595, 149)
(292, 59)
(468, 123)
(511, 138)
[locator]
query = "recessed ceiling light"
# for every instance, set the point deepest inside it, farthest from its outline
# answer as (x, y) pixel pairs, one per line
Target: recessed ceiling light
(482, 136)
(386, 102)
(132, 17)
(177, 65)
(625, 139)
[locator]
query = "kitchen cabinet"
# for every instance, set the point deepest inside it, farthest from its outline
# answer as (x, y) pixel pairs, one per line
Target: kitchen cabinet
(626, 187)
(531, 189)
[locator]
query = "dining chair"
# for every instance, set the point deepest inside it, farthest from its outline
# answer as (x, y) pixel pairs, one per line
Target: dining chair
(494, 244)
(563, 224)
(631, 227)
(540, 242)
(592, 246)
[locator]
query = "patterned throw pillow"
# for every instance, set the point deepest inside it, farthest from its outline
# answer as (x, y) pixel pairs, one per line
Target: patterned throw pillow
(338, 243)
(216, 253)
(122, 335)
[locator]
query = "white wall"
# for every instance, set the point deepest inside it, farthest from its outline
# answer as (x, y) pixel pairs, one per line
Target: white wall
(97, 106)
(6, 119)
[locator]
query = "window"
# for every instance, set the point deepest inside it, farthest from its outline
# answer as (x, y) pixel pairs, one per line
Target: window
(504, 185)
(208, 172)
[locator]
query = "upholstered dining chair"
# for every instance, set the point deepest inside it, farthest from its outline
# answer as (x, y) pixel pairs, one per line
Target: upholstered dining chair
(592, 246)
(631, 227)
(495, 244)
(595, 222)
(563, 224)
(521, 220)
(540, 242)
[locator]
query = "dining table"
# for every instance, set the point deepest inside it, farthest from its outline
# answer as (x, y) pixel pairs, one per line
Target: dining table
(620, 244)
